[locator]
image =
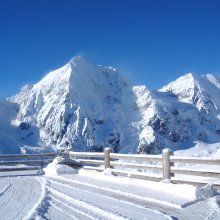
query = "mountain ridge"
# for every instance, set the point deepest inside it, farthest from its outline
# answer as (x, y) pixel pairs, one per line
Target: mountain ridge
(87, 107)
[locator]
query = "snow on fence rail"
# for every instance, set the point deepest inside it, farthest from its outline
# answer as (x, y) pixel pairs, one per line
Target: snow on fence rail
(11, 162)
(167, 167)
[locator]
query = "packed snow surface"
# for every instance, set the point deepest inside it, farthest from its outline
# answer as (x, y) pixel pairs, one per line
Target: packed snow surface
(93, 195)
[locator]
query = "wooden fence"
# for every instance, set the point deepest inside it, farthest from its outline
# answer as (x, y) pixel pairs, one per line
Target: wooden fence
(25, 162)
(163, 166)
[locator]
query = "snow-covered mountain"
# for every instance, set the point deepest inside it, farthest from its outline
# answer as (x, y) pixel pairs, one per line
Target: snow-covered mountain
(82, 106)
(87, 107)
(187, 111)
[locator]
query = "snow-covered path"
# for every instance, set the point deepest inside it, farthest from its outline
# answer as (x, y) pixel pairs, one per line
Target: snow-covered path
(101, 202)
(17, 196)
(91, 195)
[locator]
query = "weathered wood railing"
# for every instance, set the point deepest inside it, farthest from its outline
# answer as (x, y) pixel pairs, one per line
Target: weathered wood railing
(10, 162)
(162, 164)
(95, 158)
(213, 175)
(124, 164)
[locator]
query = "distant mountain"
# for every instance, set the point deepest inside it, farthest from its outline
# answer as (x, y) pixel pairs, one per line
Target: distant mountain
(87, 107)
(188, 111)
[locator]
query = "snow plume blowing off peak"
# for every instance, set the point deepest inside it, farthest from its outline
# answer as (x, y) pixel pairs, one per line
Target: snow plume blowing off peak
(87, 107)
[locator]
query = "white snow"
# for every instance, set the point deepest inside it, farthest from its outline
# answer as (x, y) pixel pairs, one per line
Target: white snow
(94, 195)
(58, 169)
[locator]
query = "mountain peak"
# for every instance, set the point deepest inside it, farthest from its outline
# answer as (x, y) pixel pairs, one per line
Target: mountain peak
(190, 75)
(77, 60)
(184, 82)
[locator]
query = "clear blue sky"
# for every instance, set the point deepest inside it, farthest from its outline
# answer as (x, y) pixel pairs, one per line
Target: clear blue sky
(151, 41)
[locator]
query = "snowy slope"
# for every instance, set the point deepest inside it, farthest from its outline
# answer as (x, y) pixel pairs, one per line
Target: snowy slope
(192, 110)
(8, 132)
(180, 114)
(201, 91)
(87, 107)
(14, 136)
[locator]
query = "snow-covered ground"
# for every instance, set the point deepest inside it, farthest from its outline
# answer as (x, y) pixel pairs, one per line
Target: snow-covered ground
(94, 195)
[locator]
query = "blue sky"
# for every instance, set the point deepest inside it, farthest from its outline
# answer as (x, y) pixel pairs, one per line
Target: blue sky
(151, 42)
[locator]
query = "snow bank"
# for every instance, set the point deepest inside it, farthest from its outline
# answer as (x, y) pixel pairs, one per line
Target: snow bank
(206, 192)
(55, 168)
(108, 172)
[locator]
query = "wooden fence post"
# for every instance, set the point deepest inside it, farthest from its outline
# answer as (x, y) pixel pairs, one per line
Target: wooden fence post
(107, 152)
(166, 163)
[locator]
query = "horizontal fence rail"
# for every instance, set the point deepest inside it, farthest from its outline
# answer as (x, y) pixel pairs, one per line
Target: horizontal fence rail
(27, 155)
(25, 162)
(136, 166)
(98, 162)
(206, 173)
(86, 154)
(136, 157)
(89, 160)
(194, 160)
